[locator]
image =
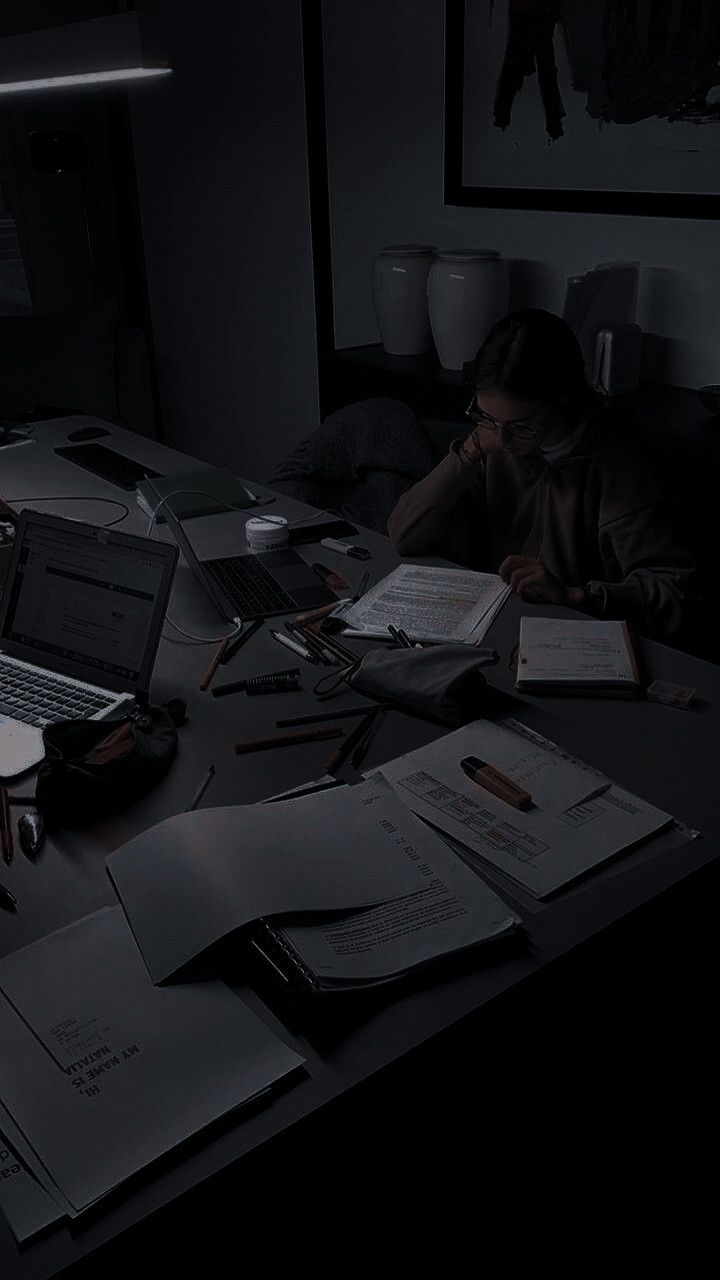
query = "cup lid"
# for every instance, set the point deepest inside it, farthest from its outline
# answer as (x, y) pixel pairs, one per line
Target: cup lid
(467, 255)
(408, 250)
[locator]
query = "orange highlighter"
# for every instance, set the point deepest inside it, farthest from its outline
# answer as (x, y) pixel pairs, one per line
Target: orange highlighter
(487, 776)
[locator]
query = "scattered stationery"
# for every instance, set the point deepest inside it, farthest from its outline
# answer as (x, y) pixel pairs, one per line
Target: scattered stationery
(428, 604)
(576, 656)
(578, 820)
(189, 881)
(214, 663)
(368, 738)
(353, 740)
(300, 649)
(102, 1072)
(288, 739)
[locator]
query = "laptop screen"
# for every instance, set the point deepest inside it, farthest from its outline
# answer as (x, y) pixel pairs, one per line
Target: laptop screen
(85, 601)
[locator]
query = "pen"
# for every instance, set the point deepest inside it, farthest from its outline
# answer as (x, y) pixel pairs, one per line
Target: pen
(314, 642)
(364, 745)
(237, 642)
(201, 789)
(276, 678)
(6, 834)
(7, 899)
(288, 739)
(362, 587)
(351, 742)
(311, 642)
(294, 645)
(487, 776)
(214, 664)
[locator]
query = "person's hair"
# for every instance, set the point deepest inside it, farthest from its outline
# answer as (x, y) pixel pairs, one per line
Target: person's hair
(533, 355)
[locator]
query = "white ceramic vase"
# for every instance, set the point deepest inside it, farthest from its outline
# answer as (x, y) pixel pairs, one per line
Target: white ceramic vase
(467, 295)
(399, 295)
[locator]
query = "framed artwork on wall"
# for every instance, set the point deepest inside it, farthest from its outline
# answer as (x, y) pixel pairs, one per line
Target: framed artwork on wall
(599, 106)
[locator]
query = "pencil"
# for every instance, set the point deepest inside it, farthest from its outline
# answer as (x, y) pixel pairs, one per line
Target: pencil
(318, 717)
(6, 834)
(201, 789)
(288, 739)
(214, 664)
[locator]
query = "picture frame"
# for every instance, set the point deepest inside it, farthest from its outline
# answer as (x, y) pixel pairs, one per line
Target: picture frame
(657, 165)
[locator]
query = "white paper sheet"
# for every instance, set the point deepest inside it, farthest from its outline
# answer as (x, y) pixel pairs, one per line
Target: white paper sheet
(191, 880)
(452, 910)
(429, 604)
(580, 818)
(103, 1072)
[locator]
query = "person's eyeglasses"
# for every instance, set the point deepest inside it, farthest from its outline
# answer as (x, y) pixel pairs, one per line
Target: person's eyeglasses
(523, 428)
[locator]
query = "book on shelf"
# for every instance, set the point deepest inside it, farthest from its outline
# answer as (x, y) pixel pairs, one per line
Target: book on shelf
(577, 656)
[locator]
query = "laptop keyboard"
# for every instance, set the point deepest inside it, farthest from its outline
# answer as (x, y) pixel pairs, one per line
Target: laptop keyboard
(253, 590)
(38, 699)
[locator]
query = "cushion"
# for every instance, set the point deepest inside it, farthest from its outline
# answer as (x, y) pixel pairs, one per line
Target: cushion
(65, 360)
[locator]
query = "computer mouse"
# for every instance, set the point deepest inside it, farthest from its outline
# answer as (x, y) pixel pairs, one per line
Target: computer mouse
(88, 433)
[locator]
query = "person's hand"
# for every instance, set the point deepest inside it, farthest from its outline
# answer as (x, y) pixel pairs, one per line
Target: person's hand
(480, 442)
(532, 582)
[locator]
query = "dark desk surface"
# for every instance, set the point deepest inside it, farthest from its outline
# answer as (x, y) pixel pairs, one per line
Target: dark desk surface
(656, 751)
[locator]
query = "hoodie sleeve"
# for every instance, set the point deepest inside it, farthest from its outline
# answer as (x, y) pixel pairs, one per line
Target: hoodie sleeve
(651, 575)
(443, 514)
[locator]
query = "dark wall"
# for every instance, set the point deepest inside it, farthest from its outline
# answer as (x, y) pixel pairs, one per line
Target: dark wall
(385, 124)
(223, 187)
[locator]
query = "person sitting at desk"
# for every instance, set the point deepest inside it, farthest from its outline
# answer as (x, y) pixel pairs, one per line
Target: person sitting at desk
(553, 491)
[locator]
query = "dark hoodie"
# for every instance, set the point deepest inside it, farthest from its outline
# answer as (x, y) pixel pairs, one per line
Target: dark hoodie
(598, 518)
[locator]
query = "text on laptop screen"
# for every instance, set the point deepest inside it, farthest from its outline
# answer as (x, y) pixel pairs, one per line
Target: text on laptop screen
(76, 598)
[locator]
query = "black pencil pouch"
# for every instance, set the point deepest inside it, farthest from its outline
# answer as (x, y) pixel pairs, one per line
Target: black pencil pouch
(93, 768)
(443, 682)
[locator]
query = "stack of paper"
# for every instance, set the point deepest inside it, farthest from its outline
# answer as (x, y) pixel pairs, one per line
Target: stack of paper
(579, 656)
(102, 1072)
(440, 605)
(188, 881)
(578, 820)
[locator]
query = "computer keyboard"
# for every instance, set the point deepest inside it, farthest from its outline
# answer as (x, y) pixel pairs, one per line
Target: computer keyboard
(254, 592)
(39, 699)
(107, 464)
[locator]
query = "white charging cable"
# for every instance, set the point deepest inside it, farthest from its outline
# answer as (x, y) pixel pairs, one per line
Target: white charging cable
(224, 506)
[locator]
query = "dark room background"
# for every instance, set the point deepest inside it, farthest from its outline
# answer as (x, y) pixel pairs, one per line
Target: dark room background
(223, 205)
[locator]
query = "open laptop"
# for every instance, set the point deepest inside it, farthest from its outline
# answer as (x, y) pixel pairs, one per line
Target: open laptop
(258, 584)
(80, 622)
